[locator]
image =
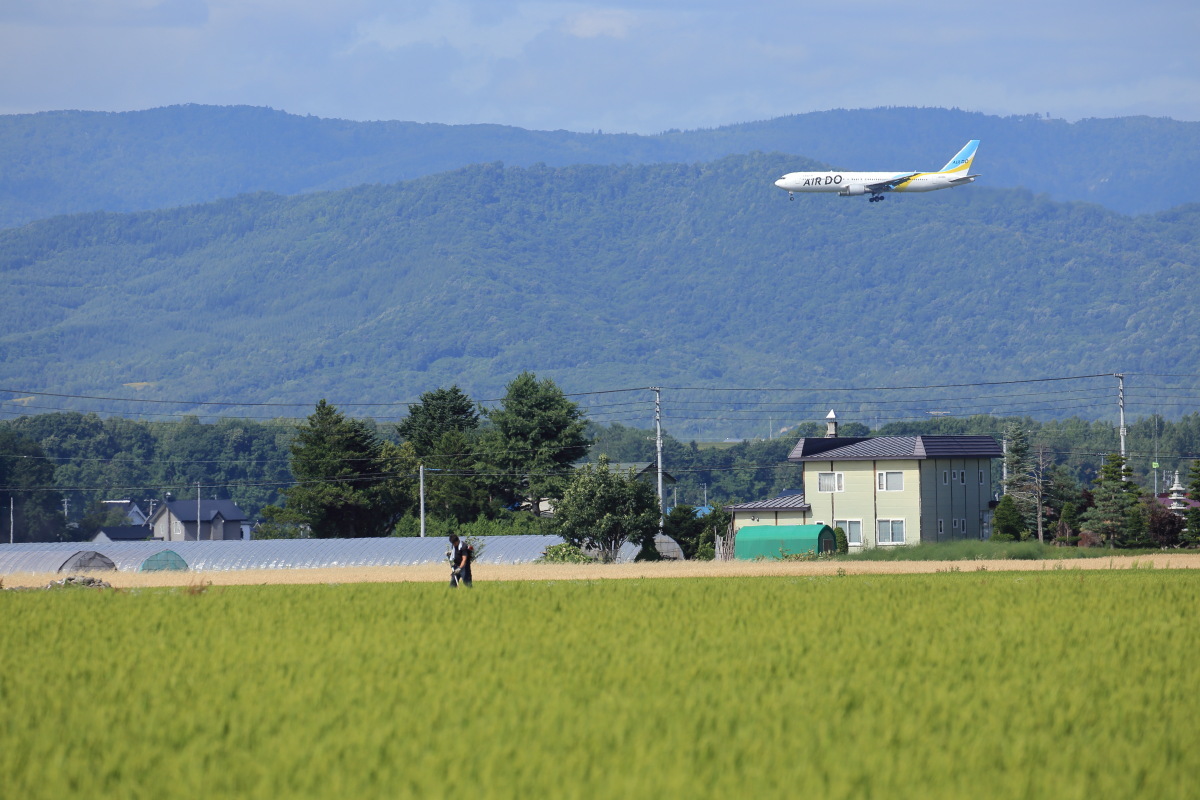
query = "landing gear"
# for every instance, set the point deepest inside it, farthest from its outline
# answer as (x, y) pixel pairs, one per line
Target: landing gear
(875, 198)
(791, 196)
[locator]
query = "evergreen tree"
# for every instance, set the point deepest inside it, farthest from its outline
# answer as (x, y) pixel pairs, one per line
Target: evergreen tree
(536, 435)
(1007, 525)
(1066, 532)
(1116, 497)
(1020, 483)
(344, 488)
(438, 412)
(1191, 535)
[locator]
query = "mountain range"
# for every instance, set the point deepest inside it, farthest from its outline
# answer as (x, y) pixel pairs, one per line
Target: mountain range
(598, 276)
(75, 161)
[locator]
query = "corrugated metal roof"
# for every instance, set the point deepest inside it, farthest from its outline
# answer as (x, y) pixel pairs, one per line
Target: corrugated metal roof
(283, 553)
(789, 502)
(895, 447)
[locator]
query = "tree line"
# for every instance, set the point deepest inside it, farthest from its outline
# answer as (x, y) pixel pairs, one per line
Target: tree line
(500, 470)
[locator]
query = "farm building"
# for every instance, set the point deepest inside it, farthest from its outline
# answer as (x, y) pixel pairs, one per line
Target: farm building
(886, 490)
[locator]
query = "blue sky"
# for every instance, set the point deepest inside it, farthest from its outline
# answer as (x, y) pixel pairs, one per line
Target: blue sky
(621, 65)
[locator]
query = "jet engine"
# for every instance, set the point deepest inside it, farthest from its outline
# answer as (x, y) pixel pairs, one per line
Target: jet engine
(851, 191)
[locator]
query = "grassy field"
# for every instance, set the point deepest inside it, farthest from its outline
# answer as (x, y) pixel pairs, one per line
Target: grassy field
(1053, 683)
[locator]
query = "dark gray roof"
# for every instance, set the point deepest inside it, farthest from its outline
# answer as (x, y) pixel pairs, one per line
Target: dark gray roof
(785, 502)
(895, 447)
(125, 533)
(185, 510)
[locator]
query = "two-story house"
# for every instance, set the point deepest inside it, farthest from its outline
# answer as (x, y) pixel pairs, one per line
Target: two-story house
(178, 521)
(888, 490)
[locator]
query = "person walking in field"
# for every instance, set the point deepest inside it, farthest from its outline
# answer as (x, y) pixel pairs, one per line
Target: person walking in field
(460, 562)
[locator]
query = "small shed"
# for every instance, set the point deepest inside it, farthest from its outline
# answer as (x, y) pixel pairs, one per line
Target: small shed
(773, 541)
(164, 560)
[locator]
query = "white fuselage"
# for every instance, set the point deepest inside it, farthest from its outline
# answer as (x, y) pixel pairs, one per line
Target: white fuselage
(855, 183)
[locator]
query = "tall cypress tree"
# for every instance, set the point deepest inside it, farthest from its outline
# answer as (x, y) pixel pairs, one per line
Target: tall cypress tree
(1116, 497)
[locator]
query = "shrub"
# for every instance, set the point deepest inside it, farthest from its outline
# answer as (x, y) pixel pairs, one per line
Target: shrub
(565, 553)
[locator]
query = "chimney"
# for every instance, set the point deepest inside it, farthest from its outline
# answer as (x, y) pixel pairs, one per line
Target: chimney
(831, 425)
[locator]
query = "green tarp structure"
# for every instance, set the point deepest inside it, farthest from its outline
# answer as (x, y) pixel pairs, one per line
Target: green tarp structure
(164, 560)
(773, 541)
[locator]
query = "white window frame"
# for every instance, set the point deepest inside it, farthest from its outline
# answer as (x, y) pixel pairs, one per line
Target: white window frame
(844, 524)
(881, 480)
(839, 481)
(891, 540)
(954, 523)
(954, 476)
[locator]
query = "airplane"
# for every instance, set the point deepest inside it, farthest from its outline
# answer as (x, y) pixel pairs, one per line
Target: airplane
(850, 184)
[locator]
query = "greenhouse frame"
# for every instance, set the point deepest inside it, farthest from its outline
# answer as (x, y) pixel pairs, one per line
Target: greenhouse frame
(280, 553)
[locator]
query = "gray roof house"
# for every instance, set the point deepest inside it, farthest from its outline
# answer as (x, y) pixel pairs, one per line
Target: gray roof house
(124, 533)
(176, 521)
(891, 490)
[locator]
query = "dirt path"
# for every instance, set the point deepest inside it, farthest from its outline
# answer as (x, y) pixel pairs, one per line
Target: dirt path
(569, 572)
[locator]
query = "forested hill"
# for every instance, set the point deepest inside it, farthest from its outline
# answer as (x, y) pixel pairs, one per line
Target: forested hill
(72, 161)
(596, 276)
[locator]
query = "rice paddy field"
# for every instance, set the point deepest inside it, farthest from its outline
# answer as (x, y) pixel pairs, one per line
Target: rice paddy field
(1057, 682)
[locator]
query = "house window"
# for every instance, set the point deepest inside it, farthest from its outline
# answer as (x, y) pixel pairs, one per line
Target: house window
(890, 481)
(954, 476)
(962, 525)
(853, 529)
(963, 477)
(954, 524)
(890, 531)
(981, 477)
(830, 482)
(941, 527)
(945, 477)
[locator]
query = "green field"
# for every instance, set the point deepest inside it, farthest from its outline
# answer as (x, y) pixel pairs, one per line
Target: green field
(1057, 684)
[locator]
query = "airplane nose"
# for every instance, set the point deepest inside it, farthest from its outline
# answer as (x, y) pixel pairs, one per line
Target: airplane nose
(779, 183)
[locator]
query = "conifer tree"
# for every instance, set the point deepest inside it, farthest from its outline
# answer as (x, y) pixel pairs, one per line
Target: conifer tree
(1116, 498)
(346, 483)
(536, 435)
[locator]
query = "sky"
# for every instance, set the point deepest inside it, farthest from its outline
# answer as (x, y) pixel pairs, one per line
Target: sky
(638, 66)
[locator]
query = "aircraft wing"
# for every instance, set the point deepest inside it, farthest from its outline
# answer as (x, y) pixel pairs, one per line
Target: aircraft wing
(890, 183)
(966, 178)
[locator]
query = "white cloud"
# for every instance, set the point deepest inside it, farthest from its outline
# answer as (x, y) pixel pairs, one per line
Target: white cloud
(600, 22)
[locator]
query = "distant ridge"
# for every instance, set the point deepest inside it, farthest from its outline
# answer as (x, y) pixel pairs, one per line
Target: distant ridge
(596, 276)
(74, 161)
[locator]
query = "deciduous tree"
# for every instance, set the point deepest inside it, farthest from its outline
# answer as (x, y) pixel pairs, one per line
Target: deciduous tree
(602, 509)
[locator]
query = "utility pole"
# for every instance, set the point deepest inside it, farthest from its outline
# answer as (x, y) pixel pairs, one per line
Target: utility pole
(1120, 376)
(658, 450)
(11, 518)
(198, 514)
(422, 481)
(1004, 467)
